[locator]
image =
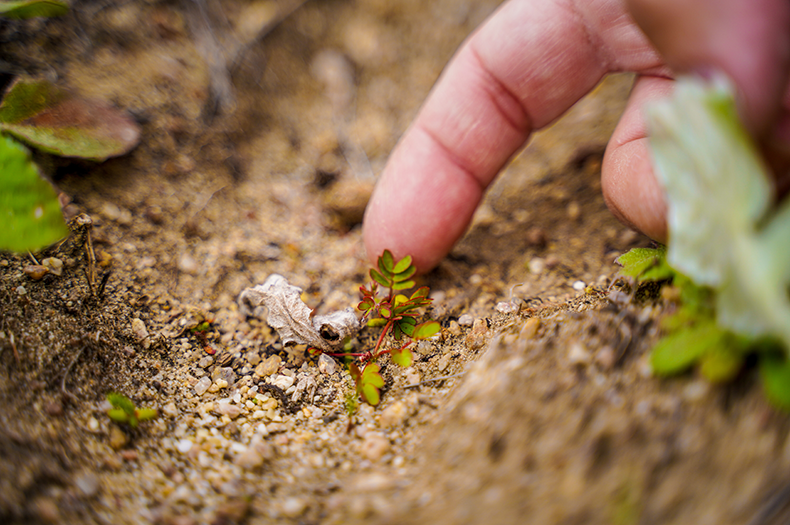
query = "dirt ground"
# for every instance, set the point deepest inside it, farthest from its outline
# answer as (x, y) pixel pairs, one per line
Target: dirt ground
(264, 126)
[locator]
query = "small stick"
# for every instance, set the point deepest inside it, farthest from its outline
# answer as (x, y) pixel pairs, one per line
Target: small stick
(13, 347)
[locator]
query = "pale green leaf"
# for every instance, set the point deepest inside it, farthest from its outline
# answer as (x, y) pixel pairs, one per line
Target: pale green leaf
(29, 208)
(33, 8)
(718, 195)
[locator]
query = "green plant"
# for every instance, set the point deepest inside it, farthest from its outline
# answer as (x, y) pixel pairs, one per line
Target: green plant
(48, 118)
(123, 411)
(21, 9)
(397, 315)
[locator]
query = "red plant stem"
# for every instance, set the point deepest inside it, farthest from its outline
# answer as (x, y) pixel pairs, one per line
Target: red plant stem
(387, 328)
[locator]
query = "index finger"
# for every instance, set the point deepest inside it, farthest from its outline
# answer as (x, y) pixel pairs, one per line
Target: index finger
(518, 72)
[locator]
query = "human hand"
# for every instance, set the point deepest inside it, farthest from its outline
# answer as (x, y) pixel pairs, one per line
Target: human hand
(532, 60)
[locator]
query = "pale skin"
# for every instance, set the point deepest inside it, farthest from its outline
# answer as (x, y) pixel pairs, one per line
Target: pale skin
(532, 60)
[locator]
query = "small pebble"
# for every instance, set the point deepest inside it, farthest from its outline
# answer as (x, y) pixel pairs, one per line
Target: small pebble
(578, 354)
(139, 330)
(374, 446)
(530, 328)
(269, 366)
(202, 385)
(283, 382)
(184, 445)
(249, 459)
(466, 320)
(87, 483)
(454, 328)
(118, 438)
(20, 290)
(35, 271)
(606, 358)
(187, 264)
(170, 409)
(293, 507)
(579, 286)
(232, 411)
(54, 265)
(326, 365)
(536, 265)
(205, 361)
(394, 415)
(506, 307)
(476, 337)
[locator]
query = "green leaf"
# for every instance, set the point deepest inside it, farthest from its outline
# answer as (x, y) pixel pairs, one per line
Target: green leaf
(426, 330)
(29, 208)
(405, 285)
(365, 305)
(406, 326)
(718, 196)
(638, 262)
(370, 381)
(386, 263)
(33, 8)
(376, 276)
(722, 364)
(118, 415)
(775, 373)
(402, 276)
(44, 116)
(402, 357)
(677, 352)
(403, 265)
(122, 402)
(378, 321)
(144, 414)
(421, 293)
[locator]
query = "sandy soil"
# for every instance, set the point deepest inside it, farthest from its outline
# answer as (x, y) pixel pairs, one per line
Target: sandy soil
(263, 131)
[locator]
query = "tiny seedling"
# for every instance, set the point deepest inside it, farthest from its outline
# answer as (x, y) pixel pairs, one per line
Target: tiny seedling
(123, 411)
(397, 314)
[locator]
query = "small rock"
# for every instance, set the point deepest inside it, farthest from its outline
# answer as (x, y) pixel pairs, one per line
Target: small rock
(20, 290)
(579, 286)
(140, 331)
(394, 415)
(205, 361)
(374, 446)
(454, 328)
(187, 264)
(507, 307)
(249, 459)
(536, 265)
(578, 354)
(170, 409)
(87, 483)
(35, 271)
(530, 328)
(466, 320)
(232, 411)
(202, 385)
(54, 265)
(326, 365)
(269, 366)
(253, 357)
(476, 337)
(606, 358)
(118, 438)
(184, 445)
(293, 507)
(283, 382)
(443, 362)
